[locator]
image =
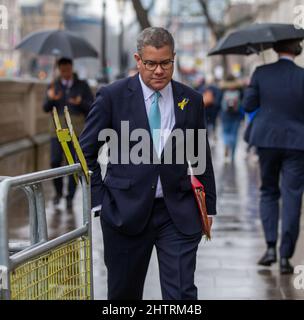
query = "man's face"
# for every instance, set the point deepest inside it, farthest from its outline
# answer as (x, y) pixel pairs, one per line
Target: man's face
(158, 78)
(66, 71)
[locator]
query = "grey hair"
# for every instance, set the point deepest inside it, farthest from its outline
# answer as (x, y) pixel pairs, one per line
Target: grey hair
(155, 37)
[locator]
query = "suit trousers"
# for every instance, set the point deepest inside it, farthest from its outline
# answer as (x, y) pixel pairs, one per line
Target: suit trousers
(282, 175)
(127, 258)
(56, 161)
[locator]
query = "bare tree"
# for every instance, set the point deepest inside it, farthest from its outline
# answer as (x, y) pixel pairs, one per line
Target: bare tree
(219, 29)
(142, 13)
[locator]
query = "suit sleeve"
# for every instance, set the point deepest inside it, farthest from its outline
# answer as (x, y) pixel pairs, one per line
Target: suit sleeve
(99, 118)
(207, 178)
(251, 100)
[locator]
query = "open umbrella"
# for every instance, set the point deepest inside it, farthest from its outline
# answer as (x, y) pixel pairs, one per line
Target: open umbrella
(57, 43)
(256, 38)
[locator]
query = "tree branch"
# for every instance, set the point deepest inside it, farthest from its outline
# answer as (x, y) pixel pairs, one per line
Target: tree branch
(241, 20)
(141, 14)
(211, 23)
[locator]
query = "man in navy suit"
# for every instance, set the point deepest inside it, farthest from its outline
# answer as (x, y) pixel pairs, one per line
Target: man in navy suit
(277, 90)
(146, 205)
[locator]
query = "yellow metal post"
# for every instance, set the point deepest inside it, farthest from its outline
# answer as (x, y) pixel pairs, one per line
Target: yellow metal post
(68, 135)
(64, 137)
(76, 144)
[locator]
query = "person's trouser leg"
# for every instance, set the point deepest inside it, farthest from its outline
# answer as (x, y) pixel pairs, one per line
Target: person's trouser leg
(292, 187)
(226, 133)
(127, 259)
(234, 136)
(176, 257)
(56, 160)
(71, 187)
(270, 166)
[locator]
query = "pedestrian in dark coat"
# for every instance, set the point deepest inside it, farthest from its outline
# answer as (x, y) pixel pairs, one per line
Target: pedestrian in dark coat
(66, 90)
(278, 133)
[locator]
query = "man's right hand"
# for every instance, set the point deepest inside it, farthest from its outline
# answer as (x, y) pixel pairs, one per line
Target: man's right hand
(96, 211)
(52, 94)
(210, 219)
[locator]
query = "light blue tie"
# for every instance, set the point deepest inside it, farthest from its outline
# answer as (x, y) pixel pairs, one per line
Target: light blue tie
(154, 119)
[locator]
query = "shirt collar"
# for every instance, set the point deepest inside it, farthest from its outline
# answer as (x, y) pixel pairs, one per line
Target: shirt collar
(286, 58)
(148, 92)
(67, 83)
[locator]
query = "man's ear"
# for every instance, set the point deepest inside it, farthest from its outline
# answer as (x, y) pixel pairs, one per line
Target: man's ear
(137, 59)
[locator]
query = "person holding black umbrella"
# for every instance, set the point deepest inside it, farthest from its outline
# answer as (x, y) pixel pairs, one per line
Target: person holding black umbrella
(277, 131)
(67, 90)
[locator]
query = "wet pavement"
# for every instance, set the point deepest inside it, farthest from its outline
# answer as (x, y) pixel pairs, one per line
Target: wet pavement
(226, 266)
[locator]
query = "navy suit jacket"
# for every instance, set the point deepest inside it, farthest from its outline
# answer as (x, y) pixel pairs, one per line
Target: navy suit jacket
(128, 190)
(277, 91)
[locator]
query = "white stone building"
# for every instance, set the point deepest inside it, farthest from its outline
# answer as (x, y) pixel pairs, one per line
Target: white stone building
(9, 37)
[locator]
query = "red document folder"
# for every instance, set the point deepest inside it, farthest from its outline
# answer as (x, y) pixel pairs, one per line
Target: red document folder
(200, 197)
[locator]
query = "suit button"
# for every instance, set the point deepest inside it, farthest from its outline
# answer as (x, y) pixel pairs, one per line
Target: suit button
(153, 186)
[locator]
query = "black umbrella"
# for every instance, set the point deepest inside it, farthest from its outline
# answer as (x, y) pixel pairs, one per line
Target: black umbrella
(256, 38)
(59, 43)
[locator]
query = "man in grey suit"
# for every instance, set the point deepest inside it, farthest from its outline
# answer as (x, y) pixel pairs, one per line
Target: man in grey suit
(277, 91)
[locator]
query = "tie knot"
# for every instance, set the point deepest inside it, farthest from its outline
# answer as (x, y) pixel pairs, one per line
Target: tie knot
(156, 95)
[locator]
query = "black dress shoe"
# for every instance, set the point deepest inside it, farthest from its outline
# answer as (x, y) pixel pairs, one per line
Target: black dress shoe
(268, 258)
(285, 266)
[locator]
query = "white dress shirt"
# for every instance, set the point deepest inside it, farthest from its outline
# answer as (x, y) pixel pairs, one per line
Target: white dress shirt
(167, 116)
(67, 83)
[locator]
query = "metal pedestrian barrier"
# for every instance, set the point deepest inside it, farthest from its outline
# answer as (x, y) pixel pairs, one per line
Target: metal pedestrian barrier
(60, 268)
(43, 269)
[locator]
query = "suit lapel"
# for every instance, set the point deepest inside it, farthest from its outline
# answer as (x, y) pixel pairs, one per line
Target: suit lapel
(180, 115)
(138, 108)
(137, 104)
